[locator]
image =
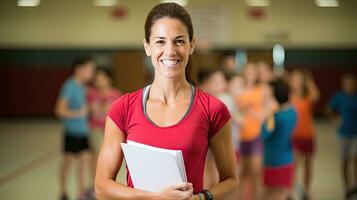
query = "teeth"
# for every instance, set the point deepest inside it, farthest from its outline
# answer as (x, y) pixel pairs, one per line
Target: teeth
(169, 62)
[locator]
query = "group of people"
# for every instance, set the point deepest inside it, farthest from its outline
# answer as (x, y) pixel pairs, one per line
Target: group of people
(273, 131)
(252, 125)
(82, 104)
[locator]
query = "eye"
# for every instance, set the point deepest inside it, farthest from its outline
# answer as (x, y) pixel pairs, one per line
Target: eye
(160, 42)
(180, 42)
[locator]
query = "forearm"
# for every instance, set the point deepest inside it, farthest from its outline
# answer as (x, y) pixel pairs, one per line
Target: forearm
(110, 190)
(63, 114)
(223, 189)
(314, 92)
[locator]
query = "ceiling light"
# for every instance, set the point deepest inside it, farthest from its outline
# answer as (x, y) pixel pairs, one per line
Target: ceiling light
(179, 2)
(105, 2)
(28, 3)
(257, 3)
(327, 3)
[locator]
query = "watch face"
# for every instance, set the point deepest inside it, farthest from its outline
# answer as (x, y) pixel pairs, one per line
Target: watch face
(208, 195)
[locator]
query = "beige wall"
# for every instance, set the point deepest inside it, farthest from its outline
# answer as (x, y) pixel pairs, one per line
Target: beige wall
(76, 23)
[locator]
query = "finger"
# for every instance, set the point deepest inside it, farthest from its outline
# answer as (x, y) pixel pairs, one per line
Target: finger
(182, 186)
(188, 193)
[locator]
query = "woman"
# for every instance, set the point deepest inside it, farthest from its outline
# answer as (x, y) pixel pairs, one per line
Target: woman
(304, 95)
(99, 98)
(251, 103)
(170, 113)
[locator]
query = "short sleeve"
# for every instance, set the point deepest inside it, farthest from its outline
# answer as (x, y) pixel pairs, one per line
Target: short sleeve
(118, 112)
(66, 91)
(334, 102)
(218, 115)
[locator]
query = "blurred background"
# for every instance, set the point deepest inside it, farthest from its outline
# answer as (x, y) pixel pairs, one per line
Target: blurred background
(39, 39)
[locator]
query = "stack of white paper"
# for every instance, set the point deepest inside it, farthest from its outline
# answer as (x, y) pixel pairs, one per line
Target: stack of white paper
(151, 168)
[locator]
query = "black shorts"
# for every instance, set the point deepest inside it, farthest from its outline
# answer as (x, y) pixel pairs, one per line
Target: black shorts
(75, 145)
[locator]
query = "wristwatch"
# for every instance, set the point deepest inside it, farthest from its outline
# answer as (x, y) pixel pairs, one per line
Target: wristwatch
(208, 195)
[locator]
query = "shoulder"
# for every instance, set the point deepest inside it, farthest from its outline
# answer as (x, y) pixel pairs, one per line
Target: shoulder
(208, 101)
(68, 83)
(127, 99)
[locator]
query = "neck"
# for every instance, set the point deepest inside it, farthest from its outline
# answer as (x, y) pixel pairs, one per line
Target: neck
(284, 106)
(104, 90)
(169, 90)
(78, 80)
(297, 92)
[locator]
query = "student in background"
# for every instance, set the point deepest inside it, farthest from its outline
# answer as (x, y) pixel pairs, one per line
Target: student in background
(250, 104)
(304, 95)
(342, 110)
(216, 84)
(100, 97)
(278, 150)
(72, 108)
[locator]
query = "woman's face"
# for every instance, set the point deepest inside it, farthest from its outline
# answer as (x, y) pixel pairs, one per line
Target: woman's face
(296, 80)
(265, 73)
(102, 80)
(169, 47)
(250, 73)
(217, 83)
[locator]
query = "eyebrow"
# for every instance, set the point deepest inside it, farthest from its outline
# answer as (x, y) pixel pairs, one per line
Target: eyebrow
(177, 37)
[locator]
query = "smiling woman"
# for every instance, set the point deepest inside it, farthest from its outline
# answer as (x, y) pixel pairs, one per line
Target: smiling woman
(170, 113)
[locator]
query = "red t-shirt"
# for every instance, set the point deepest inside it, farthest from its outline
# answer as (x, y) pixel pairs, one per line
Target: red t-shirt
(97, 120)
(191, 135)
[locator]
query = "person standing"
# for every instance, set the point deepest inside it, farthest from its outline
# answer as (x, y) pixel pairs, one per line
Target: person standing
(342, 110)
(71, 107)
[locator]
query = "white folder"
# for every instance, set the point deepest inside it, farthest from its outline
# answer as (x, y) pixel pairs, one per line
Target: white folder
(151, 168)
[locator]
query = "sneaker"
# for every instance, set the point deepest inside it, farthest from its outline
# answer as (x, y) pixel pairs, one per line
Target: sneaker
(350, 193)
(64, 197)
(83, 196)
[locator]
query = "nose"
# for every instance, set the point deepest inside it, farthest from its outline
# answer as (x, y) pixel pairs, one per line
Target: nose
(170, 49)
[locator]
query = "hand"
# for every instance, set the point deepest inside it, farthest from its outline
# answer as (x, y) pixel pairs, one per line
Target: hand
(83, 111)
(183, 191)
(336, 121)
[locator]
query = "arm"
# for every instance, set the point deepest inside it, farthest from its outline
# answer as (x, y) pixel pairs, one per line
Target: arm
(268, 127)
(331, 110)
(109, 161)
(313, 91)
(62, 110)
(222, 148)
(332, 116)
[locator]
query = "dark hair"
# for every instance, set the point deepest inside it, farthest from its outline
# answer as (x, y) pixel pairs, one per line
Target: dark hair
(105, 71)
(79, 62)
(171, 10)
(175, 11)
(280, 90)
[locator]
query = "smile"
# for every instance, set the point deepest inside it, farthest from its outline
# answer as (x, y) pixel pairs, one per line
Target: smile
(170, 62)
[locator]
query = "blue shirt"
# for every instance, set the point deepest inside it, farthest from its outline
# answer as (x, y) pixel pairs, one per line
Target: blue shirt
(346, 106)
(75, 94)
(278, 149)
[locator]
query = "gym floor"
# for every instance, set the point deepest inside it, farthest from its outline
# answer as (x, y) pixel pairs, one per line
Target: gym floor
(30, 156)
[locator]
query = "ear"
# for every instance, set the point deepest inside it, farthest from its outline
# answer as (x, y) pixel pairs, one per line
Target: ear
(192, 45)
(147, 48)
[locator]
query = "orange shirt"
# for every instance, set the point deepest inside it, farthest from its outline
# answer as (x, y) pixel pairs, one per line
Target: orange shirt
(304, 127)
(251, 103)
